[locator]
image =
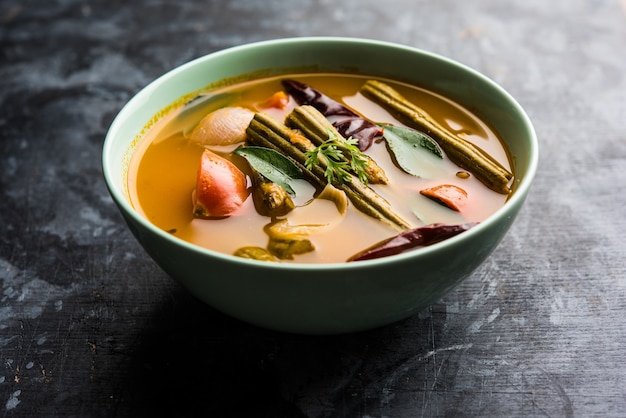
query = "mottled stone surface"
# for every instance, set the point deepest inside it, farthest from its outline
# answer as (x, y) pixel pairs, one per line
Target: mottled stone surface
(90, 326)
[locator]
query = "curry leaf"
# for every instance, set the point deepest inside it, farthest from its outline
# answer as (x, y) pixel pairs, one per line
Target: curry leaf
(412, 150)
(272, 165)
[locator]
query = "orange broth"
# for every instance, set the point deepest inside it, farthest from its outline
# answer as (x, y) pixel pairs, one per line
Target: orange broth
(163, 169)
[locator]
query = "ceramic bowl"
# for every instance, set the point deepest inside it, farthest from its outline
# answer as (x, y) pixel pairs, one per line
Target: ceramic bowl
(332, 298)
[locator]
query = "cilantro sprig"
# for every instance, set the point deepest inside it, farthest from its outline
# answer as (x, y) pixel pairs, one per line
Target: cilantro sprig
(342, 159)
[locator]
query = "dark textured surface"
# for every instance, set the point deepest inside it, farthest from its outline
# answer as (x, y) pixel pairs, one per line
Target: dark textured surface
(89, 325)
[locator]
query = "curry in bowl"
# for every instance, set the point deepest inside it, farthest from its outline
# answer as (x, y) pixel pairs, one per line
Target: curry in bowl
(318, 168)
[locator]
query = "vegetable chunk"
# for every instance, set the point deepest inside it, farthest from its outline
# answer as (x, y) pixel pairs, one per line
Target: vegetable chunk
(225, 126)
(221, 188)
(448, 195)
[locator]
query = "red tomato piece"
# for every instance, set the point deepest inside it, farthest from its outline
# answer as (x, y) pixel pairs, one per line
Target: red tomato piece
(221, 188)
(448, 195)
(279, 100)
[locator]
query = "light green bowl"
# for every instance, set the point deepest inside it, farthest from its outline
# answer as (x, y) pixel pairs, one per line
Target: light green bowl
(330, 298)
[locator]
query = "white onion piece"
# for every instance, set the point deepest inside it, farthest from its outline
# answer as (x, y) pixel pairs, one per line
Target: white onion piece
(225, 126)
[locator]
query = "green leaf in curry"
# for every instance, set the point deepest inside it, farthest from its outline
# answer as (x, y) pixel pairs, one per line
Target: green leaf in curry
(272, 165)
(413, 150)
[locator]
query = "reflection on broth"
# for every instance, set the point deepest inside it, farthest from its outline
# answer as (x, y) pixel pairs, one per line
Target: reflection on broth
(164, 170)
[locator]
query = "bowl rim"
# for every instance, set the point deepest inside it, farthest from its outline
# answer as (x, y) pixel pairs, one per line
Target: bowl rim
(516, 198)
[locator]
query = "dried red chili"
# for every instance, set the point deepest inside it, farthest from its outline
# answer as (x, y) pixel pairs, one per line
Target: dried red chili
(347, 122)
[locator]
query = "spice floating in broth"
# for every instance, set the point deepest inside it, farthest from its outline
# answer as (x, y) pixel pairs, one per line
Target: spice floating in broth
(412, 239)
(345, 120)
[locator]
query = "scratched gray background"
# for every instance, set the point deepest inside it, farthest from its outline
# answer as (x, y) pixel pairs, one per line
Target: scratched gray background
(89, 326)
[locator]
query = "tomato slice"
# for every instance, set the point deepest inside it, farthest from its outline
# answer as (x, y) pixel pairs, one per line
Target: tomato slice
(279, 100)
(448, 195)
(221, 188)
